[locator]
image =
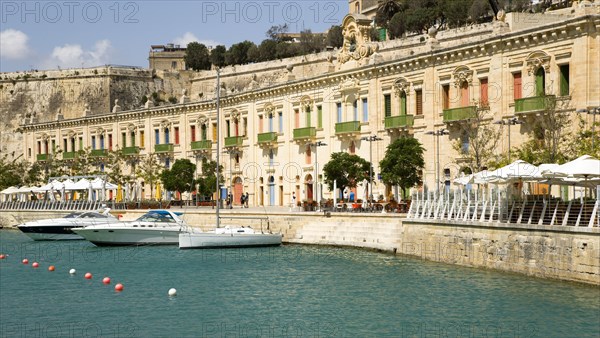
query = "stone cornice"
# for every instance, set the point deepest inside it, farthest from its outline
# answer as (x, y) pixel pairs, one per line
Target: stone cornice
(527, 38)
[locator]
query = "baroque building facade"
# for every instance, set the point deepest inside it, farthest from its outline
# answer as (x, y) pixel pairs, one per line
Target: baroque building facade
(274, 114)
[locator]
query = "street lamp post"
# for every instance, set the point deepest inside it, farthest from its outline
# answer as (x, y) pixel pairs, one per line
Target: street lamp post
(437, 134)
(509, 122)
(371, 139)
(594, 111)
(317, 145)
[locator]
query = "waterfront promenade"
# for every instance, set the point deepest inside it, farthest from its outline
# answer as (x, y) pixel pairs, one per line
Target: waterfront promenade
(557, 252)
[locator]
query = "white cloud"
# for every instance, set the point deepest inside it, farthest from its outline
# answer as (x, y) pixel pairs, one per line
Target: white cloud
(188, 37)
(13, 44)
(69, 56)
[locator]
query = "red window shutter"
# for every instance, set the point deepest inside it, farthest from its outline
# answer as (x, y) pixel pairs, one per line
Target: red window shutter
(484, 92)
(110, 142)
(517, 86)
(193, 133)
(176, 135)
(419, 97)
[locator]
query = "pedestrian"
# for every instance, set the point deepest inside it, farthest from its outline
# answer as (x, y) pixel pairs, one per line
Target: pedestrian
(230, 201)
(246, 199)
(293, 200)
(242, 200)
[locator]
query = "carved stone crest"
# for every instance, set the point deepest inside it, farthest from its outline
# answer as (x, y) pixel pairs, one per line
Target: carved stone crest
(537, 60)
(462, 74)
(401, 86)
(357, 42)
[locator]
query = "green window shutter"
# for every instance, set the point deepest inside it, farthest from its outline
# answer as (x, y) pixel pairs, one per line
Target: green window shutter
(403, 103)
(308, 116)
(382, 34)
(564, 80)
(540, 84)
(319, 117)
(387, 105)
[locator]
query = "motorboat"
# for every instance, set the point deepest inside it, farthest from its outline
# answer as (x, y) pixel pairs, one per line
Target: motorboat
(227, 237)
(55, 229)
(156, 227)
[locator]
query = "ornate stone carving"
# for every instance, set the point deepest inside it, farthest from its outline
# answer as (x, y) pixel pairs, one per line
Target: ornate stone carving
(131, 127)
(536, 60)
(202, 120)
(116, 107)
(401, 85)
(306, 102)
(462, 74)
(351, 84)
(269, 109)
(235, 114)
(357, 42)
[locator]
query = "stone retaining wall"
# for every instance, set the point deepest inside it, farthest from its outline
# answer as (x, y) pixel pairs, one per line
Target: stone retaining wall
(564, 253)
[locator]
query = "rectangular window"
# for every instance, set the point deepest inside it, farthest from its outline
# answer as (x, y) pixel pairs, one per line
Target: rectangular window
(228, 128)
(419, 102)
(156, 136)
(110, 142)
(260, 124)
(65, 145)
(29, 152)
(167, 136)
(296, 118)
(73, 144)
(308, 117)
(193, 133)
(270, 123)
(355, 111)
(245, 120)
(133, 138)
(445, 96)
(176, 131)
(167, 163)
(483, 95)
(53, 146)
(124, 138)
(319, 116)
(365, 110)
(517, 86)
(142, 139)
(564, 80)
(403, 109)
(203, 130)
(39, 147)
(93, 142)
(281, 122)
(101, 139)
(339, 112)
(387, 105)
(80, 142)
(465, 143)
(214, 132)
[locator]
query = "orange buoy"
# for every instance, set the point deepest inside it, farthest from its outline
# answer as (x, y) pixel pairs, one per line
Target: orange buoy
(51, 268)
(35, 264)
(106, 280)
(88, 275)
(119, 287)
(25, 261)
(2, 256)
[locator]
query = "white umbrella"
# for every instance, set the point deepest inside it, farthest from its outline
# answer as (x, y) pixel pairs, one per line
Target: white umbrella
(584, 167)
(518, 170)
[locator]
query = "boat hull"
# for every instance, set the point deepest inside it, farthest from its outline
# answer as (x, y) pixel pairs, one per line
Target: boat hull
(213, 240)
(58, 232)
(130, 236)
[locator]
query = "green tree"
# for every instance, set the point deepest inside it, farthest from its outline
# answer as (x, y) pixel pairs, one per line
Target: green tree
(149, 170)
(335, 38)
(267, 50)
(403, 163)
(397, 26)
(217, 56)
(278, 33)
(348, 170)
(180, 177)
(207, 182)
(386, 11)
(197, 57)
(238, 53)
(11, 172)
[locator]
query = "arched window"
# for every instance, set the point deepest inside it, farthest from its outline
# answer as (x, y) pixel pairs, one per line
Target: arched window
(540, 82)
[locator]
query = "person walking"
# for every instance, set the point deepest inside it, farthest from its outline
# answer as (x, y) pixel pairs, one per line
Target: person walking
(242, 200)
(246, 198)
(293, 201)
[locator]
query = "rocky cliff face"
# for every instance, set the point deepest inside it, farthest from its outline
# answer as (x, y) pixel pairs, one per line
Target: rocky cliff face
(44, 96)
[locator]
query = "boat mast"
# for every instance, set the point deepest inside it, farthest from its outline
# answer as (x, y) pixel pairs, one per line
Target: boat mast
(218, 146)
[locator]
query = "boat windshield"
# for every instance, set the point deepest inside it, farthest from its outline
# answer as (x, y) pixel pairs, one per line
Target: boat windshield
(73, 215)
(156, 217)
(93, 215)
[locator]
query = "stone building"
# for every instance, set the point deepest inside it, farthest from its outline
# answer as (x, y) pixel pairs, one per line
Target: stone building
(273, 114)
(167, 57)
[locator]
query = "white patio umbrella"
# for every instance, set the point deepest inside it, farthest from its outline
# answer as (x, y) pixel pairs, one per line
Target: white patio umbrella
(6, 193)
(583, 167)
(518, 170)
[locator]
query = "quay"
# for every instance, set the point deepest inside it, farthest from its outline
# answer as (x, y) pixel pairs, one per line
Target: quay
(566, 253)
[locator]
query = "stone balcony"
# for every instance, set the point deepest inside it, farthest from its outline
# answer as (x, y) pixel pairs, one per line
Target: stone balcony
(164, 148)
(98, 153)
(131, 151)
(70, 155)
(306, 133)
(347, 128)
(460, 114)
(399, 122)
(201, 145)
(234, 141)
(267, 139)
(534, 104)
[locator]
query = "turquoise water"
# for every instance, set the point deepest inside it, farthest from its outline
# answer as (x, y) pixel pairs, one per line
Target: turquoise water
(290, 291)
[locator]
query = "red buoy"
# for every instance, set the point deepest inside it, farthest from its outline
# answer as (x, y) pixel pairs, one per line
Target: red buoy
(88, 275)
(119, 287)
(25, 261)
(51, 268)
(2, 256)
(106, 280)
(35, 264)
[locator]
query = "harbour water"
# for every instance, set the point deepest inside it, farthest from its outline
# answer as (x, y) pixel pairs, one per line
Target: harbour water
(289, 291)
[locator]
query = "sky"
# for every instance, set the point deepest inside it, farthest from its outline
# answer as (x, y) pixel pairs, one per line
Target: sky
(72, 34)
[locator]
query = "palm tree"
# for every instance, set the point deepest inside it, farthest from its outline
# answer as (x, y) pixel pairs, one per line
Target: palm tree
(386, 10)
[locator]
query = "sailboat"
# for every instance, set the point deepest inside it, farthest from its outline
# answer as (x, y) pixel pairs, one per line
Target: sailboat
(226, 237)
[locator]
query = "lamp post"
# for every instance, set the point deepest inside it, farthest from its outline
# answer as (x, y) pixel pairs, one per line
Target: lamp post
(594, 111)
(371, 139)
(317, 145)
(437, 134)
(509, 122)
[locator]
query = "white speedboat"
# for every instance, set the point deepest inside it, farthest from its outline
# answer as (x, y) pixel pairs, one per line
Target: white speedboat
(55, 229)
(155, 227)
(227, 237)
